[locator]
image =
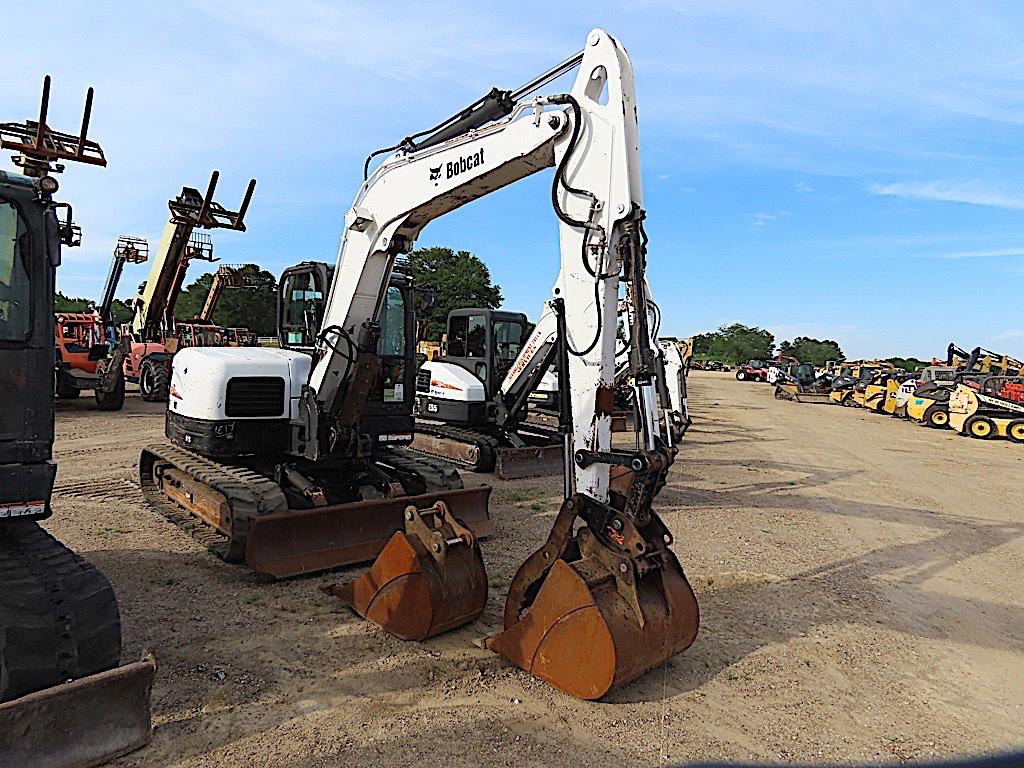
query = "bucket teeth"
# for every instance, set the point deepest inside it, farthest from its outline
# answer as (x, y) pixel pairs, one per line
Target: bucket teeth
(427, 580)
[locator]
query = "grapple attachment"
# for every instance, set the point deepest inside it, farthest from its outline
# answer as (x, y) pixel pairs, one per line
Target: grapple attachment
(587, 617)
(425, 581)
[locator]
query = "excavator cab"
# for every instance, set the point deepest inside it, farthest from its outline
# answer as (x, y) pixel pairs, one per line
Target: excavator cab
(486, 343)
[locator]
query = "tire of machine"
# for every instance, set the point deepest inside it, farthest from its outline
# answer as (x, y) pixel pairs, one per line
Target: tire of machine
(59, 617)
(936, 418)
(110, 401)
(422, 474)
(1015, 431)
(980, 427)
(153, 381)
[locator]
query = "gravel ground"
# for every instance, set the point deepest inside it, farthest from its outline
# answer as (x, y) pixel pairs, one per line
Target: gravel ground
(859, 581)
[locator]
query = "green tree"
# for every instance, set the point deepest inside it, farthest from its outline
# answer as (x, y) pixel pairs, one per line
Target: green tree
(735, 344)
(813, 351)
(458, 279)
(120, 309)
(253, 306)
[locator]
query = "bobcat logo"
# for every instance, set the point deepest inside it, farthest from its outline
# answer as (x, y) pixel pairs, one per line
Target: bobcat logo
(435, 174)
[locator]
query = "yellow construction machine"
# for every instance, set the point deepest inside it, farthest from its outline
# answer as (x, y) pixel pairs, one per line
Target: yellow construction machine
(990, 407)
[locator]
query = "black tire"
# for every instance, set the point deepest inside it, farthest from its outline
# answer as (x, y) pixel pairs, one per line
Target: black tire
(980, 427)
(153, 381)
(936, 417)
(59, 618)
(741, 376)
(1015, 431)
(110, 401)
(64, 388)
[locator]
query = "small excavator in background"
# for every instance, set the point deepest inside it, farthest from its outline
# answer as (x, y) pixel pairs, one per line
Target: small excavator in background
(64, 701)
(85, 338)
(268, 446)
(146, 345)
(473, 402)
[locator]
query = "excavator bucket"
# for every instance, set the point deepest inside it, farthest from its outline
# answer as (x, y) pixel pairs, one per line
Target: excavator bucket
(596, 622)
(427, 580)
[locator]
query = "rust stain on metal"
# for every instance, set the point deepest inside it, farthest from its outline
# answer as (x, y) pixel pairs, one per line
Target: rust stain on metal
(604, 403)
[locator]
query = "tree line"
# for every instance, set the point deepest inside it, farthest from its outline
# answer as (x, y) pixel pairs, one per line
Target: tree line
(737, 344)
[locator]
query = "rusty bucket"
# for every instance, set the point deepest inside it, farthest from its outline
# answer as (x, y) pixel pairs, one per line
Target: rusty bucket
(427, 580)
(599, 621)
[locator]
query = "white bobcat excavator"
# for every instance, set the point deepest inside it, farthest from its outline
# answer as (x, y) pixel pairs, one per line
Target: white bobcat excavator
(599, 603)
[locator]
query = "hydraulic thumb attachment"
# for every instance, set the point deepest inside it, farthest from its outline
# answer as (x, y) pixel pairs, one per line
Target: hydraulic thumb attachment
(597, 607)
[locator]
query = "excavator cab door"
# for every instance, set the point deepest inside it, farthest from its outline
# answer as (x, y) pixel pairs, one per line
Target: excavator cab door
(29, 249)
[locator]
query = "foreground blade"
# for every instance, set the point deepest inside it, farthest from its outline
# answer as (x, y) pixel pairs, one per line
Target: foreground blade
(84, 723)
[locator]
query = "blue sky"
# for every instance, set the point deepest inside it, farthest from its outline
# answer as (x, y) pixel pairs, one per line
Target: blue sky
(843, 170)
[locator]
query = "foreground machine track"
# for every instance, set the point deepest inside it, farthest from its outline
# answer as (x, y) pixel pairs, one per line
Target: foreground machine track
(241, 515)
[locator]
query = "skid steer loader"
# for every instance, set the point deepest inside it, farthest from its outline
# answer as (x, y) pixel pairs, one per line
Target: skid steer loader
(991, 407)
(596, 606)
(64, 701)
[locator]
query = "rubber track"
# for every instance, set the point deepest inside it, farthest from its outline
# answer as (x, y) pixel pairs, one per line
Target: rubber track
(249, 495)
(58, 614)
(437, 475)
(487, 445)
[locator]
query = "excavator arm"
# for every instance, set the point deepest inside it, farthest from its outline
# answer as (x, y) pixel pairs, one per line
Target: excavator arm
(598, 199)
(598, 605)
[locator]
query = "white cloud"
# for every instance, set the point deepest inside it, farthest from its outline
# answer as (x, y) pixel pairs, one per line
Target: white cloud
(761, 218)
(1010, 333)
(803, 187)
(984, 254)
(974, 192)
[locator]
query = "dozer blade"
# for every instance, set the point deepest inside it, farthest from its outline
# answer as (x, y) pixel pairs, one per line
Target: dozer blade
(305, 541)
(821, 398)
(597, 620)
(84, 723)
(427, 580)
(513, 463)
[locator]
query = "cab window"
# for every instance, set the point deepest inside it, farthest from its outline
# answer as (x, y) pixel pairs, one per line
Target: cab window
(15, 288)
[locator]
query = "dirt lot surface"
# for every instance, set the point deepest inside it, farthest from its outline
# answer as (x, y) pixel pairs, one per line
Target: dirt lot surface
(859, 580)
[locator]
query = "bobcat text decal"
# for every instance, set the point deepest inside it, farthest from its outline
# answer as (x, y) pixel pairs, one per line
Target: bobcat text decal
(455, 167)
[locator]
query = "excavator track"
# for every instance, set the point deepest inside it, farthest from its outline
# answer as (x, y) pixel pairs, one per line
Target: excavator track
(435, 474)
(463, 447)
(241, 516)
(248, 495)
(59, 612)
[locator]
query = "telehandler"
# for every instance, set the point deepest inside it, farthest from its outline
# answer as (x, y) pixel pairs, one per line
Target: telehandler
(85, 338)
(64, 701)
(142, 355)
(255, 429)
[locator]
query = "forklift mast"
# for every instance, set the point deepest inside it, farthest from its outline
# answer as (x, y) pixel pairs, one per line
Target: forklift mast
(130, 250)
(154, 306)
